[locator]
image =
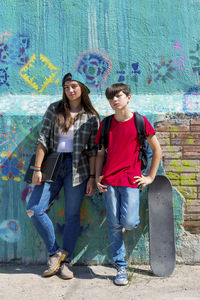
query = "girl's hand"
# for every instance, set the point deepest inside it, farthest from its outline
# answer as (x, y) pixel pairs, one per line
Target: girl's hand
(143, 181)
(102, 188)
(37, 178)
(90, 188)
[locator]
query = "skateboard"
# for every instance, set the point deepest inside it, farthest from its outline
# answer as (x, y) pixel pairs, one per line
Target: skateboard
(161, 227)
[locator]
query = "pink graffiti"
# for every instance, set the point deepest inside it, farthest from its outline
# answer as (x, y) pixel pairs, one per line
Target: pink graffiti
(177, 47)
(180, 62)
(4, 35)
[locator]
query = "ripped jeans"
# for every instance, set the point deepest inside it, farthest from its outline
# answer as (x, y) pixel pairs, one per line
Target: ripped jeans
(122, 211)
(42, 197)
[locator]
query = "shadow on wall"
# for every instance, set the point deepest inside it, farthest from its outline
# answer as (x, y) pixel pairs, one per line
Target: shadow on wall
(19, 241)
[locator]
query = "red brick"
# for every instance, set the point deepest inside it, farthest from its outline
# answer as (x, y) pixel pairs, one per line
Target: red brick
(189, 192)
(173, 125)
(192, 202)
(191, 224)
(198, 178)
(191, 149)
(180, 166)
(191, 152)
(174, 178)
(192, 217)
(163, 138)
(185, 138)
(195, 121)
(195, 128)
(193, 230)
(192, 155)
(173, 152)
(193, 209)
(174, 182)
(198, 192)
(188, 179)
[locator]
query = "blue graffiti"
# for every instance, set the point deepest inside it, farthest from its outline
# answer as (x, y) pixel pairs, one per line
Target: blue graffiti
(4, 77)
(94, 68)
(14, 51)
(123, 71)
(9, 231)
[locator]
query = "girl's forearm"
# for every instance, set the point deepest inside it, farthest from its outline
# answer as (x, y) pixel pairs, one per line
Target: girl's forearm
(40, 153)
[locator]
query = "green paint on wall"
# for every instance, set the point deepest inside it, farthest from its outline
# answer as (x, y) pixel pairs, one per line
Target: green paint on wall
(188, 179)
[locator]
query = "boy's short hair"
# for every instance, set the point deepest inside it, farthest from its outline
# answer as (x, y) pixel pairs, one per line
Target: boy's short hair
(116, 88)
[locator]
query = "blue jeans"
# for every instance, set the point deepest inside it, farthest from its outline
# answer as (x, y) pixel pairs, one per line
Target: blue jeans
(41, 198)
(122, 210)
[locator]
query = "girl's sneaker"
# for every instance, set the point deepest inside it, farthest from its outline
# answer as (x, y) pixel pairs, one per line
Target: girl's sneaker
(121, 277)
(65, 271)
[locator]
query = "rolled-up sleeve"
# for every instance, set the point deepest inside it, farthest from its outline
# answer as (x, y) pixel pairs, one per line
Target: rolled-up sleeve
(45, 132)
(92, 146)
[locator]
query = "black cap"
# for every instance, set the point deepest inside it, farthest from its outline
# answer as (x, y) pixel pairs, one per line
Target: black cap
(75, 77)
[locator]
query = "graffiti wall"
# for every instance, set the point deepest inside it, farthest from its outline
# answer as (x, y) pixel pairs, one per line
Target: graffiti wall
(154, 46)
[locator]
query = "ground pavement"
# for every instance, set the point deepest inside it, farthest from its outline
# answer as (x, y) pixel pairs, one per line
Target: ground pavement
(96, 282)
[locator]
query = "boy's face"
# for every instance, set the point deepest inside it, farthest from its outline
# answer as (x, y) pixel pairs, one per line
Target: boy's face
(119, 101)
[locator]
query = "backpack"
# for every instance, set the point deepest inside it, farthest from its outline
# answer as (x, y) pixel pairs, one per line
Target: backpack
(139, 123)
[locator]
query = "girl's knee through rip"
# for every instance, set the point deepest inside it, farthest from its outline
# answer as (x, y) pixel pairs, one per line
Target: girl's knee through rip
(130, 225)
(30, 213)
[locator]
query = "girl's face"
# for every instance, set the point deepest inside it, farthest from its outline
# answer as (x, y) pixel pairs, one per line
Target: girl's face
(72, 90)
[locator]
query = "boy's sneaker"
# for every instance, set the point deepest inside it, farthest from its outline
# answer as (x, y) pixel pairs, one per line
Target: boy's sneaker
(65, 272)
(54, 263)
(121, 277)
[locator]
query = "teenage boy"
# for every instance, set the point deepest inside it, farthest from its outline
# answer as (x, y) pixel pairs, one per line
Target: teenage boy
(119, 179)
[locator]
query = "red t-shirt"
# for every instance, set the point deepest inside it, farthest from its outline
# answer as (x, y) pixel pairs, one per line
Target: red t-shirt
(122, 162)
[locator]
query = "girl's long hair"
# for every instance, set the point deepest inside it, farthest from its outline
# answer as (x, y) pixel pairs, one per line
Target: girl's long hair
(63, 117)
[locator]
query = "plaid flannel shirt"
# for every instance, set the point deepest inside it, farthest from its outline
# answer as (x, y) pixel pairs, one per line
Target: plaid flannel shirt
(85, 130)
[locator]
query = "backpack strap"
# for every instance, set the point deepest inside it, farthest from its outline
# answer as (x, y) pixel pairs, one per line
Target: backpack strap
(105, 131)
(139, 123)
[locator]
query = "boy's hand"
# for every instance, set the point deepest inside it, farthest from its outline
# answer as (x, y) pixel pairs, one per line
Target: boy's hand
(143, 181)
(102, 188)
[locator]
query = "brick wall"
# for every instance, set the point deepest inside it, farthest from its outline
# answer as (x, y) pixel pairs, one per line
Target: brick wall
(180, 140)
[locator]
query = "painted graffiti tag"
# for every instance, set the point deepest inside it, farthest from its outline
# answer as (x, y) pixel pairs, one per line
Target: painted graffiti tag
(39, 72)
(11, 168)
(177, 47)
(133, 74)
(4, 36)
(10, 231)
(179, 60)
(13, 51)
(121, 72)
(94, 67)
(135, 71)
(163, 71)
(4, 77)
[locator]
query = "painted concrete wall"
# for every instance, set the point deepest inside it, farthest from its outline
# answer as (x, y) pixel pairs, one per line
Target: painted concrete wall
(153, 45)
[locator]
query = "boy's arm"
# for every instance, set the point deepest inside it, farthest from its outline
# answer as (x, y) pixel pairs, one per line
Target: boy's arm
(157, 153)
(99, 166)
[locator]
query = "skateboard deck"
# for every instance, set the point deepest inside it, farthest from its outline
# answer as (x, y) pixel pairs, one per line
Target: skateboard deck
(161, 227)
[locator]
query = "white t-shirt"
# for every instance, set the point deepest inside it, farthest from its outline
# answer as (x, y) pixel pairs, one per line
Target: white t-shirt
(66, 140)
